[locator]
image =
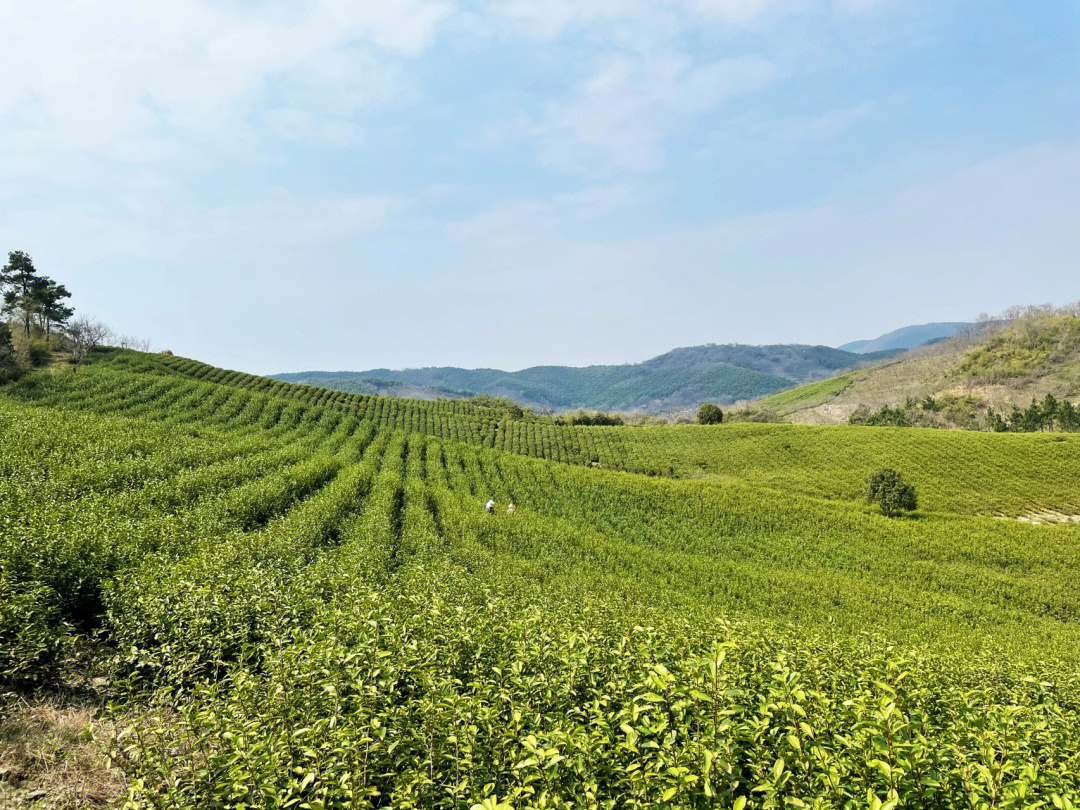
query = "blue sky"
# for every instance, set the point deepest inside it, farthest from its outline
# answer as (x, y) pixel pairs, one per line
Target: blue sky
(277, 186)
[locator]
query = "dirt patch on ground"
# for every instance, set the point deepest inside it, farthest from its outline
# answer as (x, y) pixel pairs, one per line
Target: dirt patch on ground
(828, 413)
(1044, 517)
(48, 758)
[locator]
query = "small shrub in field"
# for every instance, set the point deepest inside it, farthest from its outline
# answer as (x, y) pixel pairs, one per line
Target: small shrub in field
(710, 414)
(38, 354)
(887, 489)
(886, 417)
(590, 419)
(8, 364)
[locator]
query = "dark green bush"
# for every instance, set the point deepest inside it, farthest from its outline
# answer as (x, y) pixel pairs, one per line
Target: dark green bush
(38, 354)
(508, 406)
(710, 414)
(886, 417)
(887, 489)
(588, 419)
(8, 364)
(759, 415)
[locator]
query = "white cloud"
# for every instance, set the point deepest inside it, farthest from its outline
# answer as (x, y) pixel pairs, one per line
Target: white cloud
(859, 6)
(153, 227)
(827, 124)
(284, 220)
(999, 232)
(538, 223)
(623, 112)
(108, 75)
(547, 19)
(294, 124)
(508, 225)
(597, 201)
(657, 63)
(738, 11)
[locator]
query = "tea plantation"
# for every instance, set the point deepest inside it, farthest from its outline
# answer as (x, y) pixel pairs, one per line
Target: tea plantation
(300, 602)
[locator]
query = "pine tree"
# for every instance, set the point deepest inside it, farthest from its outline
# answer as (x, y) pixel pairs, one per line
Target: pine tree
(49, 297)
(1049, 411)
(995, 422)
(1068, 417)
(19, 278)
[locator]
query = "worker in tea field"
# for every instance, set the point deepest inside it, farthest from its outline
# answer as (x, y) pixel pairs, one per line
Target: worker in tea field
(510, 509)
(490, 506)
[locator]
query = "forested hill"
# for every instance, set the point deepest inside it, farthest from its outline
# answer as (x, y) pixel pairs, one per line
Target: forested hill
(678, 379)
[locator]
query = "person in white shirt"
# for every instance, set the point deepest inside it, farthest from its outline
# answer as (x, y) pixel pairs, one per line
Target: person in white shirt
(490, 507)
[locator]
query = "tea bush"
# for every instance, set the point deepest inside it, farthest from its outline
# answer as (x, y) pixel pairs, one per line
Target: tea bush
(303, 604)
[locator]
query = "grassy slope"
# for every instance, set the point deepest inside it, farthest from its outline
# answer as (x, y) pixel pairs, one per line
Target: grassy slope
(810, 394)
(1009, 366)
(966, 473)
(320, 572)
(953, 471)
(1028, 349)
(740, 548)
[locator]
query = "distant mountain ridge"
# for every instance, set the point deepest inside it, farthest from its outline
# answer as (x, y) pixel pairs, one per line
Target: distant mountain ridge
(681, 378)
(907, 337)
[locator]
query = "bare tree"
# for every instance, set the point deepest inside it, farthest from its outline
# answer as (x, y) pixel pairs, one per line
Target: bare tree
(967, 331)
(85, 335)
(133, 343)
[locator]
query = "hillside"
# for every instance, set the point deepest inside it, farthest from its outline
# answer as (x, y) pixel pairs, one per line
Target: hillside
(907, 337)
(681, 378)
(300, 586)
(1007, 365)
(793, 458)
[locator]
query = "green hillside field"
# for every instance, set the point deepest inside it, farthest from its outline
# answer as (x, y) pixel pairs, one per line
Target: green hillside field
(810, 394)
(294, 599)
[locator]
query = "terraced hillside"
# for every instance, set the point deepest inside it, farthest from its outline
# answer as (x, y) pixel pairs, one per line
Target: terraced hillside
(298, 601)
(957, 472)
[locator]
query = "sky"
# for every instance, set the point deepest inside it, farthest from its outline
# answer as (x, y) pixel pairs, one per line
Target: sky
(340, 184)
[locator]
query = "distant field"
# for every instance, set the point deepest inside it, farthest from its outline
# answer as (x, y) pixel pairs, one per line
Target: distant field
(963, 472)
(302, 602)
(809, 394)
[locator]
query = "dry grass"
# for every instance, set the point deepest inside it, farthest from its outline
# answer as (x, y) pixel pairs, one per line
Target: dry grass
(48, 758)
(931, 371)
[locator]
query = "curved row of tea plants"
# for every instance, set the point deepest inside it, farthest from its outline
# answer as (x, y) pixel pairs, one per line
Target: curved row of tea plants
(954, 471)
(304, 607)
